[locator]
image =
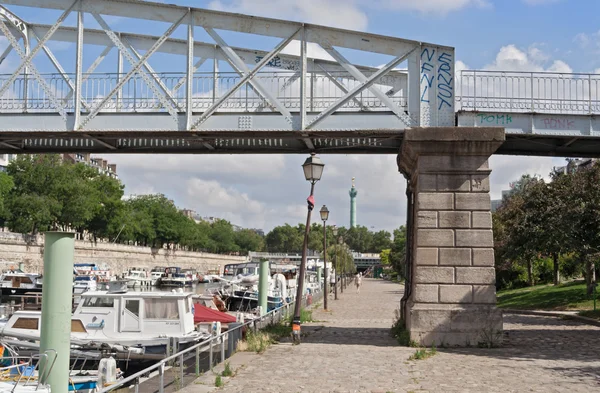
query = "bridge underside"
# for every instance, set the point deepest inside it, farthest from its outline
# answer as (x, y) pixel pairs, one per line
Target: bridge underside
(267, 142)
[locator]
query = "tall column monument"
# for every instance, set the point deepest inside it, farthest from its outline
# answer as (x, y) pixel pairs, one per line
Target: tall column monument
(353, 193)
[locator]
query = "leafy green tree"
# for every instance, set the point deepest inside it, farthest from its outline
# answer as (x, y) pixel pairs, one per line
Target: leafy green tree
(285, 238)
(359, 239)
(6, 185)
(397, 256)
(382, 240)
(34, 202)
(223, 236)
(384, 256)
(248, 240)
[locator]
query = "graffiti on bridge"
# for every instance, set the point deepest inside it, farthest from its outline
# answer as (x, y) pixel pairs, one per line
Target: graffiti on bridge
(442, 76)
(557, 123)
(493, 118)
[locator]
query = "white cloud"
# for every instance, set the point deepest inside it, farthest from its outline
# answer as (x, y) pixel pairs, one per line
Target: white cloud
(428, 6)
(532, 59)
(337, 13)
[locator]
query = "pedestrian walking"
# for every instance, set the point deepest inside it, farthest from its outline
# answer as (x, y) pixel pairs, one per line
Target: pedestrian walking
(358, 282)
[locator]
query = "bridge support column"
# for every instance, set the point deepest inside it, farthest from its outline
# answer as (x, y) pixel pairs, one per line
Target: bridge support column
(451, 296)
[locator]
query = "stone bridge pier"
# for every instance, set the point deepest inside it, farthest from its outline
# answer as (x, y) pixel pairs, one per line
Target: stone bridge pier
(450, 296)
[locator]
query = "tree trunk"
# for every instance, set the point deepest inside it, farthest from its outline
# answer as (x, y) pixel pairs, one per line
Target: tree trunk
(556, 270)
(590, 275)
(530, 272)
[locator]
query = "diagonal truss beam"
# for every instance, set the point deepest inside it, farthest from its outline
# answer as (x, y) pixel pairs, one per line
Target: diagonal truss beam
(135, 67)
(91, 69)
(352, 70)
(342, 87)
(181, 81)
(58, 67)
(152, 73)
(26, 59)
(248, 75)
(49, 93)
(240, 66)
(364, 85)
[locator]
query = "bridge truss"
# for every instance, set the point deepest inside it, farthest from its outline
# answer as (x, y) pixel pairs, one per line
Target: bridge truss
(216, 97)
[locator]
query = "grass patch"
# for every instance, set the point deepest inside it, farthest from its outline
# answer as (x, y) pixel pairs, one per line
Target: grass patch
(399, 332)
(306, 316)
(569, 296)
(227, 371)
(423, 353)
(219, 381)
(591, 314)
(258, 342)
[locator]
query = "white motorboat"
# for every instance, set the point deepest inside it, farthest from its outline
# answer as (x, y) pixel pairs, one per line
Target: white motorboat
(175, 277)
(146, 320)
(84, 283)
(17, 282)
(137, 277)
(156, 274)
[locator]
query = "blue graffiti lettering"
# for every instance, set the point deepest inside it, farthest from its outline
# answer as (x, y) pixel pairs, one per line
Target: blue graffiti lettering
(444, 73)
(427, 72)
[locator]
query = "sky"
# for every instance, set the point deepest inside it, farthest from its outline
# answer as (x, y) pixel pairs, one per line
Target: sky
(263, 191)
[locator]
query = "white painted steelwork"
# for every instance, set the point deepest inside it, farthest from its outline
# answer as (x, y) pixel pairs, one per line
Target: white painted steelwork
(309, 93)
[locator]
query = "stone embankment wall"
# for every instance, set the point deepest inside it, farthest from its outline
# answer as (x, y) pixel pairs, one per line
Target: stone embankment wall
(17, 248)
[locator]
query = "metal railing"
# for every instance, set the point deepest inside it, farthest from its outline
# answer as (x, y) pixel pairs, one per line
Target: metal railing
(274, 316)
(529, 92)
(26, 94)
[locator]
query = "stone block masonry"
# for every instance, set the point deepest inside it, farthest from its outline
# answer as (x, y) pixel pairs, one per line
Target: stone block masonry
(17, 248)
(452, 300)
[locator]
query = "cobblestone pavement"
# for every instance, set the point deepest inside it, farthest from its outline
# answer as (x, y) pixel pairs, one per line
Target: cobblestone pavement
(350, 350)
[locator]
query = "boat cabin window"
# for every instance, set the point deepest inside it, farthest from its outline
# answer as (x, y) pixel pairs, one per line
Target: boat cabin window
(161, 309)
(83, 278)
(26, 323)
(98, 302)
(77, 326)
(133, 305)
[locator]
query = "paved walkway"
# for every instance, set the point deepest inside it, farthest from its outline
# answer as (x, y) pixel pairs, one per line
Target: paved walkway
(350, 350)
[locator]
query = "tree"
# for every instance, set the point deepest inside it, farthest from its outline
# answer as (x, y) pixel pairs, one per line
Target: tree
(285, 238)
(223, 236)
(381, 240)
(248, 240)
(384, 256)
(359, 239)
(397, 257)
(34, 201)
(6, 185)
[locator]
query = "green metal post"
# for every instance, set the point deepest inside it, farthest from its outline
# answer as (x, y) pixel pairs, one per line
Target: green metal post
(263, 286)
(59, 250)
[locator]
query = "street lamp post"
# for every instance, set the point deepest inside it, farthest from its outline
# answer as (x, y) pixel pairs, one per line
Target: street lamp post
(335, 232)
(324, 216)
(313, 170)
(342, 268)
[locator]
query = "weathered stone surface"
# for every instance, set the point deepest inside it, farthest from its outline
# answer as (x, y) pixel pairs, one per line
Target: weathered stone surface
(447, 182)
(483, 257)
(427, 219)
(473, 201)
(426, 256)
(475, 275)
(426, 293)
(474, 238)
(435, 201)
(456, 294)
(435, 238)
(427, 182)
(452, 163)
(451, 219)
(484, 294)
(455, 257)
(117, 257)
(434, 275)
(480, 183)
(482, 220)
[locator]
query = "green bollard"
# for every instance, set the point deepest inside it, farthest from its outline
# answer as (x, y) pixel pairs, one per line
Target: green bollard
(263, 286)
(57, 292)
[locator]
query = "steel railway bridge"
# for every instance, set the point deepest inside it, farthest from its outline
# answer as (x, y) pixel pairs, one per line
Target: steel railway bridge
(213, 97)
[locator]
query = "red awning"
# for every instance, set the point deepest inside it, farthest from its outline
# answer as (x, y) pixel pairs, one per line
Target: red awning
(206, 314)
